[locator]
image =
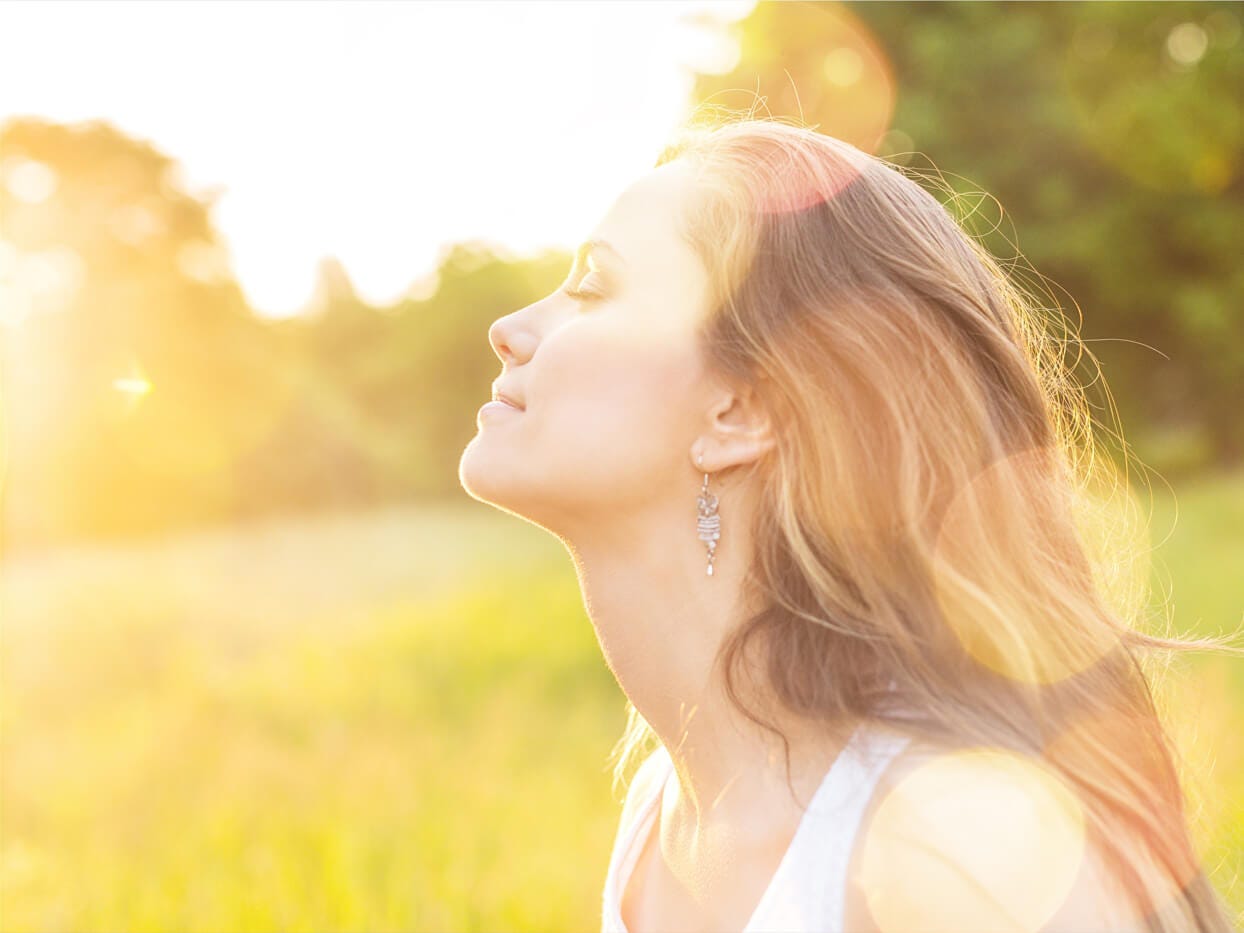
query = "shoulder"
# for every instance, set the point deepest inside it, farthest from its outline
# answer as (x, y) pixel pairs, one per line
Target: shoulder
(977, 839)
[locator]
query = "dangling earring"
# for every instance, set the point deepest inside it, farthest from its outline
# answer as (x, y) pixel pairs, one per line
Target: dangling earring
(708, 524)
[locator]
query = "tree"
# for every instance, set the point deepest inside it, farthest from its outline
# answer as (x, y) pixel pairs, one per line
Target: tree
(134, 373)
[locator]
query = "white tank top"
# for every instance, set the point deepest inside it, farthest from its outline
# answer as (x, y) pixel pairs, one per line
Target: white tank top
(807, 892)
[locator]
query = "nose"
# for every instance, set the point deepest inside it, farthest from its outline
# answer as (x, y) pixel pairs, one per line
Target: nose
(510, 339)
(499, 337)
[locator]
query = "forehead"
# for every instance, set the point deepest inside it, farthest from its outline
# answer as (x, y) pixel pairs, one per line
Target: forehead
(645, 226)
(658, 197)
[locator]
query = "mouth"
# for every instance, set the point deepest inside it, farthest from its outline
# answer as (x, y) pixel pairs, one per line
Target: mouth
(506, 400)
(500, 403)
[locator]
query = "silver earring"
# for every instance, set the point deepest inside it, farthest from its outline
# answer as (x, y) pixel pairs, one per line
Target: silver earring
(708, 522)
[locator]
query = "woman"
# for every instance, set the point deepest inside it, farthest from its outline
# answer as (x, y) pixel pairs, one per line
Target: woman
(822, 477)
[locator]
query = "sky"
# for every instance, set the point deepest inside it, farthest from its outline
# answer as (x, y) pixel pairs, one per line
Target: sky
(375, 132)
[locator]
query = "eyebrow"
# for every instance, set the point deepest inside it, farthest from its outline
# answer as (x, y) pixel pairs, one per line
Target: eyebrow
(603, 246)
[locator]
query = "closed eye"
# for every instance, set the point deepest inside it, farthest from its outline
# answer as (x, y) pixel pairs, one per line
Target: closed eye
(588, 264)
(579, 295)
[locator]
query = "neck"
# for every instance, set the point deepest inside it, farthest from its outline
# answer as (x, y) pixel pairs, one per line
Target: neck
(660, 620)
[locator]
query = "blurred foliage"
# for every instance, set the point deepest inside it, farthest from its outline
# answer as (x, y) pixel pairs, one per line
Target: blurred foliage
(234, 415)
(130, 273)
(407, 379)
(1112, 135)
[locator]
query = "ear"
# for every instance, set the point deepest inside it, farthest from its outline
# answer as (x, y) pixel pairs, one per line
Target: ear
(740, 428)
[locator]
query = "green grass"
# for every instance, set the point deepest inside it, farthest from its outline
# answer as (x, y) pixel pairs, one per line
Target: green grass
(429, 756)
(394, 721)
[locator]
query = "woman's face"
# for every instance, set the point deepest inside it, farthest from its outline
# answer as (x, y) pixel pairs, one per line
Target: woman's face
(613, 387)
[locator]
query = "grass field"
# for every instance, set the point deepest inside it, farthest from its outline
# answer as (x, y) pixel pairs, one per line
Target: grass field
(394, 721)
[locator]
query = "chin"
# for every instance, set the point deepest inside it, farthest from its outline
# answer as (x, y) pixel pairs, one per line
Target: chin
(472, 471)
(483, 476)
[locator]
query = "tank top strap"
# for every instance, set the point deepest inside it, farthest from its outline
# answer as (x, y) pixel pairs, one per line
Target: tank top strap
(639, 811)
(808, 891)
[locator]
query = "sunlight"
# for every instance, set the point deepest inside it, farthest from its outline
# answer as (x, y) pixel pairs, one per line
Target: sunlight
(937, 834)
(28, 180)
(859, 88)
(525, 143)
(132, 384)
(31, 282)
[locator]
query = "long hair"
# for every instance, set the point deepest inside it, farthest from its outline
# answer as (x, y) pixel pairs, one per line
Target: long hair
(928, 549)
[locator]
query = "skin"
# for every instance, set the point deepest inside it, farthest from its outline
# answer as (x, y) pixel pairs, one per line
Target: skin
(622, 418)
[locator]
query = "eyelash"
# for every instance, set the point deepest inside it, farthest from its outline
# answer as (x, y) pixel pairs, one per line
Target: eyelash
(578, 295)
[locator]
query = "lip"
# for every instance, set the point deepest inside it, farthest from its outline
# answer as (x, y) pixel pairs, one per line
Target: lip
(502, 397)
(498, 405)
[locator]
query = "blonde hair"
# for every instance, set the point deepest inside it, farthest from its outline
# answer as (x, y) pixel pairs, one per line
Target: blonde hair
(924, 544)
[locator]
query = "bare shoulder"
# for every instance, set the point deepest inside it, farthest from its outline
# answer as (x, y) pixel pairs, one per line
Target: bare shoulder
(977, 839)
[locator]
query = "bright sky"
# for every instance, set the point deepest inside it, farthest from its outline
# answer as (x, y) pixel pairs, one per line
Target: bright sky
(374, 131)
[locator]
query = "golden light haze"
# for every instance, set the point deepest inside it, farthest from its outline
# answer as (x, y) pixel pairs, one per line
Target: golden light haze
(328, 126)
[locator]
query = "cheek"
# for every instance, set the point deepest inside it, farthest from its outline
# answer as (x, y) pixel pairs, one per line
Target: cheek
(617, 397)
